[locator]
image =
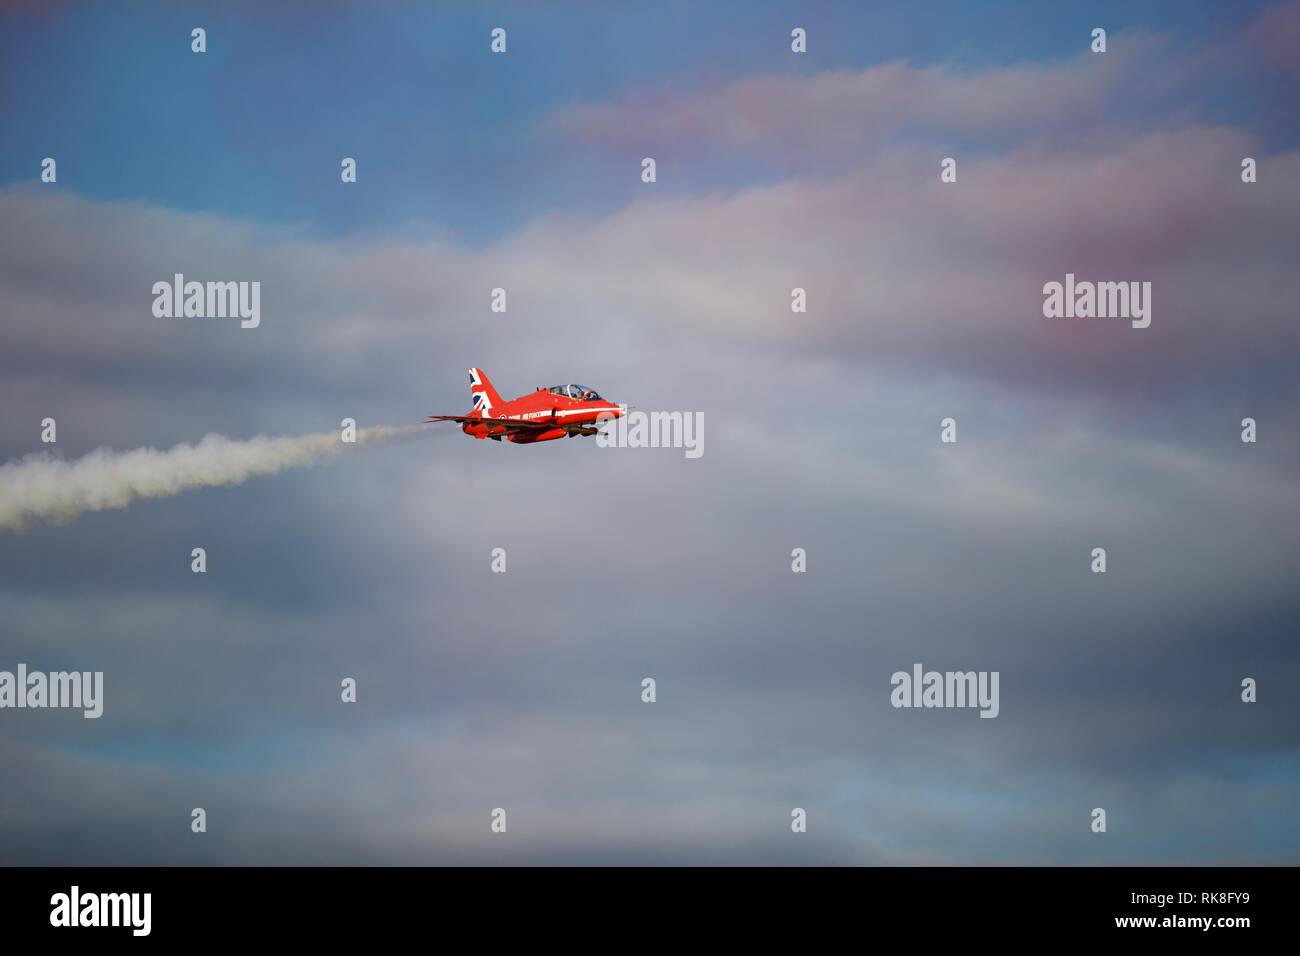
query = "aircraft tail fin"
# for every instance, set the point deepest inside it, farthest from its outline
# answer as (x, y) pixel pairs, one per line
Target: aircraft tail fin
(481, 391)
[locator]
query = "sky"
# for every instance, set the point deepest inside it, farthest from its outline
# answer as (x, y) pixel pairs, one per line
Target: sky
(775, 170)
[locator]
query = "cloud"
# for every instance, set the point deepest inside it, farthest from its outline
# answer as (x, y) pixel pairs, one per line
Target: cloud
(854, 112)
(522, 690)
(897, 266)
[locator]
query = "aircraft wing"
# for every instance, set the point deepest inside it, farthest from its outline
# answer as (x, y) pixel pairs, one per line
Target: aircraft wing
(510, 424)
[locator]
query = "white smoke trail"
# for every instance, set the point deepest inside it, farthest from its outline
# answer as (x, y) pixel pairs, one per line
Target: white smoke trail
(40, 486)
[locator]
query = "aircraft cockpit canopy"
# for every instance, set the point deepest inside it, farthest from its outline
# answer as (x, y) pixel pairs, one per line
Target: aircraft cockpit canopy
(580, 392)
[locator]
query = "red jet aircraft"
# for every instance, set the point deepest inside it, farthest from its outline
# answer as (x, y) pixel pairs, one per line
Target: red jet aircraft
(547, 413)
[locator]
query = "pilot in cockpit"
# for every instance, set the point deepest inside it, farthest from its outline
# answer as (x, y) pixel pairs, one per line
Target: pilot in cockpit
(580, 392)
